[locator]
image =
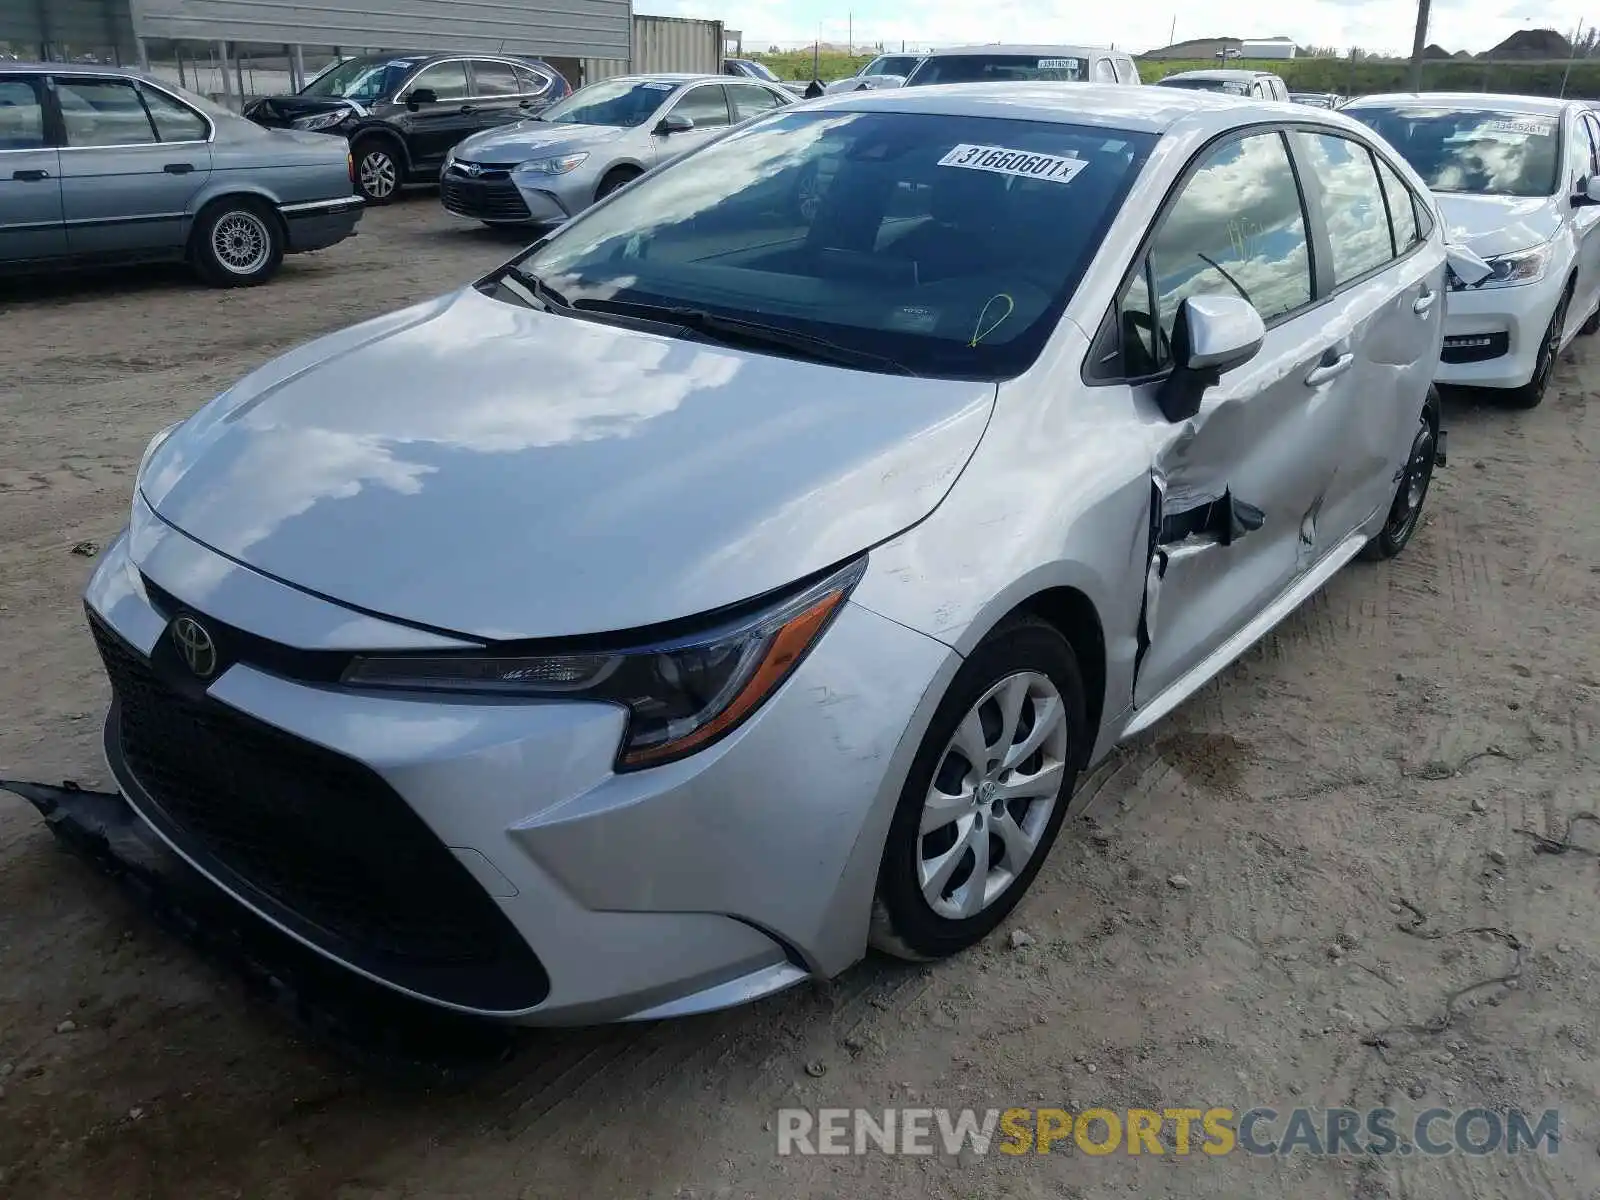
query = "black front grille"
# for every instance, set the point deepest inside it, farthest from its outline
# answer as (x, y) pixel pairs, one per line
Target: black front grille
(491, 197)
(1474, 347)
(311, 838)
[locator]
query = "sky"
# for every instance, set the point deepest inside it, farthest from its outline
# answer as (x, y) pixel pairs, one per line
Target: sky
(1137, 25)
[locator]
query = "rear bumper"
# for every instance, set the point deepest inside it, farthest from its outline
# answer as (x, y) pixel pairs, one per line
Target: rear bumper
(321, 223)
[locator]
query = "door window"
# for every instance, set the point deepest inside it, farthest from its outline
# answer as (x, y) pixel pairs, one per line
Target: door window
(447, 80)
(705, 106)
(494, 78)
(1402, 209)
(21, 116)
(531, 83)
(1343, 174)
(174, 122)
(103, 112)
(1104, 71)
(750, 100)
(1236, 229)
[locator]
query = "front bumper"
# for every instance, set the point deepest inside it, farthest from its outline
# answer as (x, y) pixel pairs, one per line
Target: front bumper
(1497, 333)
(683, 888)
(322, 223)
(497, 198)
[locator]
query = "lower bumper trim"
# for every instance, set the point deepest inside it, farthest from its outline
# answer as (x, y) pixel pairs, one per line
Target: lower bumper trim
(731, 994)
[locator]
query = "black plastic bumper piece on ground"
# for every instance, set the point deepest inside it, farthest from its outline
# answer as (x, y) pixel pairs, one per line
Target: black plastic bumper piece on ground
(376, 1028)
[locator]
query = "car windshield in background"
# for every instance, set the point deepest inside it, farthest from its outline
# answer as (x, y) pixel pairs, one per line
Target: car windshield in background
(761, 70)
(621, 104)
(1473, 150)
(892, 64)
(1231, 87)
(361, 79)
(949, 245)
(997, 68)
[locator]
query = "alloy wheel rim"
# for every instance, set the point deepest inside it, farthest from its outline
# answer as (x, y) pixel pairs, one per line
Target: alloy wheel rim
(992, 795)
(1414, 485)
(377, 174)
(241, 243)
(1552, 345)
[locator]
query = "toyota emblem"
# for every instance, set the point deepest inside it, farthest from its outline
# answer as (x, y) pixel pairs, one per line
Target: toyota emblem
(472, 169)
(195, 646)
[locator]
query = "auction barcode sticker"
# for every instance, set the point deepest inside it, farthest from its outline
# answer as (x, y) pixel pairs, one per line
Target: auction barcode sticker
(1057, 168)
(1533, 128)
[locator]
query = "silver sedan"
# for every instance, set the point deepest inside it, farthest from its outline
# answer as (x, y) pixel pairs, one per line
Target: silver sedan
(544, 170)
(726, 583)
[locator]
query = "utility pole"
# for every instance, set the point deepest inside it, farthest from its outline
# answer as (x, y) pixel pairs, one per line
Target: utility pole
(1567, 72)
(1172, 34)
(816, 54)
(1418, 44)
(850, 34)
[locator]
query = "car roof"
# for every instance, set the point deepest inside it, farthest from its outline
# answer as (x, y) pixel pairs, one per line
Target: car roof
(1218, 73)
(1543, 105)
(1018, 48)
(58, 68)
(1101, 105)
(673, 77)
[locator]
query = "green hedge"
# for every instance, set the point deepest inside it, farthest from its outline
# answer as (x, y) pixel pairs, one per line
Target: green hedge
(1458, 75)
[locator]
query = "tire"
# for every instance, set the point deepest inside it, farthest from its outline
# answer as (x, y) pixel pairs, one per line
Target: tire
(1531, 394)
(615, 178)
(380, 170)
(1030, 662)
(1592, 326)
(237, 242)
(1405, 511)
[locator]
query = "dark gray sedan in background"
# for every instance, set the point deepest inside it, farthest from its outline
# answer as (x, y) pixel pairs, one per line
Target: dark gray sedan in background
(105, 166)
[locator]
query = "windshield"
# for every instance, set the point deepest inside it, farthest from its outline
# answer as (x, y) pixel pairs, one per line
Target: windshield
(1475, 150)
(996, 68)
(759, 69)
(619, 103)
(1232, 87)
(361, 79)
(948, 244)
(891, 64)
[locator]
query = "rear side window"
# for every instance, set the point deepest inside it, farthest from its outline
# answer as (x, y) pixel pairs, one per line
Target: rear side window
(174, 122)
(531, 83)
(494, 79)
(21, 116)
(103, 112)
(1402, 209)
(1342, 171)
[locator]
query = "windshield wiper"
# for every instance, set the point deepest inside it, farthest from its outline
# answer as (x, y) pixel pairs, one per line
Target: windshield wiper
(736, 331)
(542, 291)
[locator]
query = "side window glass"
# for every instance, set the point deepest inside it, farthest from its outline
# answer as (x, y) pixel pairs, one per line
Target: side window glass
(21, 116)
(1591, 129)
(1105, 71)
(494, 78)
(1344, 176)
(531, 83)
(1236, 229)
(1143, 347)
(1402, 209)
(103, 112)
(750, 100)
(705, 106)
(174, 122)
(447, 80)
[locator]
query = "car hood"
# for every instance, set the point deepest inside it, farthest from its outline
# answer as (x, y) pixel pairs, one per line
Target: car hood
(1491, 225)
(514, 143)
(274, 110)
(503, 473)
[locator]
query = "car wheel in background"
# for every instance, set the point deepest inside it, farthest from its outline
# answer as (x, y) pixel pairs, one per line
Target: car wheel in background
(1406, 509)
(237, 242)
(1592, 325)
(615, 178)
(985, 796)
(1531, 393)
(377, 170)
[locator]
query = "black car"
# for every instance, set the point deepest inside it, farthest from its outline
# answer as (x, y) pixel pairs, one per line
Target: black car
(404, 112)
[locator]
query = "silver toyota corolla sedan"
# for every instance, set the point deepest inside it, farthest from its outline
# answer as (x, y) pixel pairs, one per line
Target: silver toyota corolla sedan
(99, 165)
(544, 170)
(724, 585)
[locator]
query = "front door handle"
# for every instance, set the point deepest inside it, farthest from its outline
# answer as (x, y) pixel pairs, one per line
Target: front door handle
(1423, 304)
(178, 168)
(468, 108)
(30, 176)
(1327, 370)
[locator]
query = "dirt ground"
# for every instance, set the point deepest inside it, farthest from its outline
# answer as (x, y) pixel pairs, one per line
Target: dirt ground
(1336, 772)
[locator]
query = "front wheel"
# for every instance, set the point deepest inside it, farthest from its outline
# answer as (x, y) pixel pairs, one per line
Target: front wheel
(1530, 394)
(237, 243)
(377, 171)
(1406, 509)
(615, 181)
(985, 796)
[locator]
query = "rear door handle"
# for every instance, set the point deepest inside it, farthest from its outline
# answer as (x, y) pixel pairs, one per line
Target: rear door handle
(30, 176)
(1424, 303)
(178, 168)
(1320, 374)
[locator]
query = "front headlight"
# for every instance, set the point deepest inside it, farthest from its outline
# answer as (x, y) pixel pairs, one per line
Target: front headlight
(1511, 270)
(150, 450)
(325, 120)
(552, 166)
(681, 694)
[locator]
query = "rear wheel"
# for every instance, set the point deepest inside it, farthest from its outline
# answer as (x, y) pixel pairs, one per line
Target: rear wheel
(985, 796)
(1406, 509)
(237, 243)
(377, 170)
(1530, 394)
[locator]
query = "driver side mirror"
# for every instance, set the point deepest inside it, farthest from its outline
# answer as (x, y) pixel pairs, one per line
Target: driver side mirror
(1588, 192)
(675, 123)
(417, 97)
(1211, 336)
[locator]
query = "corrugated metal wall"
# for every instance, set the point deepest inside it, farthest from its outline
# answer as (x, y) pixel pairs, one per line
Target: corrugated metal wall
(664, 44)
(571, 28)
(68, 27)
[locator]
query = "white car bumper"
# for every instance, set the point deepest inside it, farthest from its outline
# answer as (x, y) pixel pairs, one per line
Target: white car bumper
(1492, 335)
